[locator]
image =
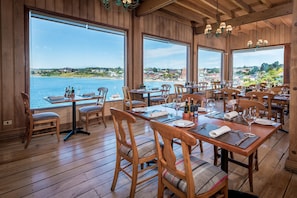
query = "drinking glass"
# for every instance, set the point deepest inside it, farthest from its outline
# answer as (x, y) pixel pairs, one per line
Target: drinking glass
(165, 96)
(210, 104)
(177, 106)
(249, 115)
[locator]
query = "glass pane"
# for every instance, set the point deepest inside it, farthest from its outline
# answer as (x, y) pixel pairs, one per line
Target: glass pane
(254, 66)
(68, 54)
(163, 62)
(209, 65)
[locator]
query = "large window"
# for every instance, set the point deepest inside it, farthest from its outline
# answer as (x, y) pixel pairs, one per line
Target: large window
(164, 62)
(71, 53)
(253, 66)
(210, 65)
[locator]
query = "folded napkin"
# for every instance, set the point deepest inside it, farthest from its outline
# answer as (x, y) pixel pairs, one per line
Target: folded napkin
(88, 94)
(182, 104)
(201, 109)
(56, 97)
(231, 115)
(264, 121)
(220, 131)
(158, 114)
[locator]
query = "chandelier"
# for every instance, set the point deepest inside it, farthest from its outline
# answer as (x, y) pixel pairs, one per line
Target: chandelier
(259, 43)
(222, 29)
(127, 4)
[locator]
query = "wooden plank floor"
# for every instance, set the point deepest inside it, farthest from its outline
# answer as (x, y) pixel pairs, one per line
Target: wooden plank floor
(83, 167)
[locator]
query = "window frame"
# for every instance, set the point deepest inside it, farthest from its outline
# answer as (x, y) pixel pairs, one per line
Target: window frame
(222, 52)
(281, 46)
(173, 42)
(60, 18)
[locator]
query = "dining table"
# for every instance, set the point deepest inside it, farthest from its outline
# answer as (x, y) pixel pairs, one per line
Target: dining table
(146, 91)
(234, 141)
(61, 99)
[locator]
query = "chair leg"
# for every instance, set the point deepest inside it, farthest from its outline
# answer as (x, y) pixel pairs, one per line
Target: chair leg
(134, 180)
(103, 119)
(87, 121)
(29, 137)
(58, 129)
(116, 172)
(160, 186)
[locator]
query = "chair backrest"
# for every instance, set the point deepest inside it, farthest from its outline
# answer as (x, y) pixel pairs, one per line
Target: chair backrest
(166, 156)
(102, 92)
(198, 99)
(215, 85)
(263, 85)
(165, 89)
(202, 86)
(123, 122)
(245, 104)
(279, 89)
(228, 95)
(127, 96)
(26, 102)
(179, 90)
(263, 97)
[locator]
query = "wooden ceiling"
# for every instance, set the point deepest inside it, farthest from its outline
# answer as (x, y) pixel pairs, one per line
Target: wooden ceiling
(241, 14)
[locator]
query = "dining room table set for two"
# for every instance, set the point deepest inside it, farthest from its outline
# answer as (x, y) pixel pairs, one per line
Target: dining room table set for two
(70, 96)
(228, 131)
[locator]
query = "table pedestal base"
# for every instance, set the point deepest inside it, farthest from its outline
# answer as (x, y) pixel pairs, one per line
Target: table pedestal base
(73, 132)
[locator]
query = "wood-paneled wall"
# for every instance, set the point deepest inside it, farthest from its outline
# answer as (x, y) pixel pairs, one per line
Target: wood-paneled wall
(14, 54)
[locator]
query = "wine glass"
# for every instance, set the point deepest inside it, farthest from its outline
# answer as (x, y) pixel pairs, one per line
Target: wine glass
(177, 105)
(249, 115)
(210, 104)
(165, 96)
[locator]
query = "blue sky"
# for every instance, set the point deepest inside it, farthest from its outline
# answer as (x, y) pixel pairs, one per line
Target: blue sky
(56, 45)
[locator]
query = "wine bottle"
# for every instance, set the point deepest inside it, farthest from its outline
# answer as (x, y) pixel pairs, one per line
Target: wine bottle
(186, 110)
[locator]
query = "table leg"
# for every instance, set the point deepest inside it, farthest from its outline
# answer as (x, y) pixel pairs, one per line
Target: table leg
(224, 160)
(74, 129)
(148, 99)
(250, 169)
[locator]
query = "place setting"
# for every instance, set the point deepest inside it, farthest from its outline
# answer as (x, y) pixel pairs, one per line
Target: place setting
(226, 134)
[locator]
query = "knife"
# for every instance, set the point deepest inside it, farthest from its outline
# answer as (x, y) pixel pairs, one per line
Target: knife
(241, 141)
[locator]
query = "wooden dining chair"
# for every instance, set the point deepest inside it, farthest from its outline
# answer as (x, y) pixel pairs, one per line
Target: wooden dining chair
(260, 107)
(197, 99)
(229, 94)
(265, 98)
(39, 124)
(165, 92)
(137, 151)
(128, 102)
(183, 174)
(216, 89)
(94, 112)
(279, 89)
(178, 90)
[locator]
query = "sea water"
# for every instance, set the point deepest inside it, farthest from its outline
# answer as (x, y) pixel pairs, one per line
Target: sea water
(41, 87)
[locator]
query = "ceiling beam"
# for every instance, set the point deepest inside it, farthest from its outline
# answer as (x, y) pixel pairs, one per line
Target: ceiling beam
(222, 9)
(150, 6)
(277, 11)
(176, 10)
(267, 3)
(243, 5)
(196, 9)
